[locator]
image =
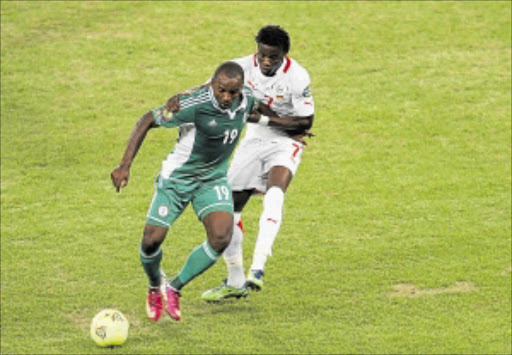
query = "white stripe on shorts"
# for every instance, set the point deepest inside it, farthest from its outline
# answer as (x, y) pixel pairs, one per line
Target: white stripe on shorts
(158, 220)
(213, 204)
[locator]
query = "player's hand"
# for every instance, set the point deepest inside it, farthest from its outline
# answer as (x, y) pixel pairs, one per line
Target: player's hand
(254, 116)
(120, 176)
(173, 104)
(300, 137)
(308, 133)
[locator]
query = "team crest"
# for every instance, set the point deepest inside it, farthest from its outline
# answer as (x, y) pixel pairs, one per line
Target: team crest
(280, 92)
(163, 211)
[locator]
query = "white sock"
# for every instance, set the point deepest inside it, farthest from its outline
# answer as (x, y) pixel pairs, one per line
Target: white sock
(233, 255)
(270, 221)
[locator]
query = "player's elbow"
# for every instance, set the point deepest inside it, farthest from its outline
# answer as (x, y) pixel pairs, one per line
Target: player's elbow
(146, 122)
(307, 122)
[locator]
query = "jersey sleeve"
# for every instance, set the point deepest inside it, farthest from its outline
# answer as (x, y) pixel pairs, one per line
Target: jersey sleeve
(302, 97)
(165, 118)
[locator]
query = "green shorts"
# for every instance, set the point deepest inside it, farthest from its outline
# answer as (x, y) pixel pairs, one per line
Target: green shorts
(172, 196)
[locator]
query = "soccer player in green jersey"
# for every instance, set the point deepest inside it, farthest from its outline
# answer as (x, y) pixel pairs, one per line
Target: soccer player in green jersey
(210, 122)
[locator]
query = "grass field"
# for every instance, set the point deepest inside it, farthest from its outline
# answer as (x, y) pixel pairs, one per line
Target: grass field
(397, 230)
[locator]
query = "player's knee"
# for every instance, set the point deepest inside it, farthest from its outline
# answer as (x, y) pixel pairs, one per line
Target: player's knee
(152, 239)
(219, 228)
(220, 238)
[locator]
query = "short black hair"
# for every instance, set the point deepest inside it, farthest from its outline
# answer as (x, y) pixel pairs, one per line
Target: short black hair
(230, 69)
(275, 36)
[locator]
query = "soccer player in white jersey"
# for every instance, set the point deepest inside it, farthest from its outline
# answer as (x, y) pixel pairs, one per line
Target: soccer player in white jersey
(267, 158)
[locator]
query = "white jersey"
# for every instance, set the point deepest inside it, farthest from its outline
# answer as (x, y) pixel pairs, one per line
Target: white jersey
(288, 92)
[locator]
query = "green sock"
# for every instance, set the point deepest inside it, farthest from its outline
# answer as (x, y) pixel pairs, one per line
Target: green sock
(199, 260)
(151, 265)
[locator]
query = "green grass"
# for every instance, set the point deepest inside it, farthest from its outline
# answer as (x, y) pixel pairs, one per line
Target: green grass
(407, 184)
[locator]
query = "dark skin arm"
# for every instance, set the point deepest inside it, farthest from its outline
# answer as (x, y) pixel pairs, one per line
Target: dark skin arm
(297, 127)
(292, 123)
(121, 174)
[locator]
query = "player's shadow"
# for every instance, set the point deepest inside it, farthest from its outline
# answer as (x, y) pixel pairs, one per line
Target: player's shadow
(229, 306)
(201, 309)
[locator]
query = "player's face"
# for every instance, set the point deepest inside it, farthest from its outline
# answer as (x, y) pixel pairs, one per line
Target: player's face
(226, 90)
(269, 58)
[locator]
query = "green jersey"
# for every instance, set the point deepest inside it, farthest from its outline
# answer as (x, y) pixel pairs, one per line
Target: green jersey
(208, 135)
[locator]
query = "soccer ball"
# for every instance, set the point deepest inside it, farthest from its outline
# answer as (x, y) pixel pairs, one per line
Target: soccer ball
(109, 328)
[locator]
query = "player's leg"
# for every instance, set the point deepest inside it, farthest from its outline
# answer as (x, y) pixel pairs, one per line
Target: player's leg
(283, 163)
(244, 177)
(233, 286)
(165, 207)
(279, 178)
(218, 227)
(151, 257)
(213, 204)
(233, 255)
(151, 252)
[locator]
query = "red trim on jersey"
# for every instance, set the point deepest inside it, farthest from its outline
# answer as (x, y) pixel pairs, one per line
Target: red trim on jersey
(241, 225)
(288, 64)
(254, 60)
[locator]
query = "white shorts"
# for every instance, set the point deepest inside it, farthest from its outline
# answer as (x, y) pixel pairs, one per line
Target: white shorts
(254, 158)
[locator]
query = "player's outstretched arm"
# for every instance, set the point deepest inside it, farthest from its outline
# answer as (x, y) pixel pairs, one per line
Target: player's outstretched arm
(121, 174)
